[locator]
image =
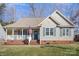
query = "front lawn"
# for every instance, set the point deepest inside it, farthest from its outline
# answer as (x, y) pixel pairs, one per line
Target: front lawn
(47, 50)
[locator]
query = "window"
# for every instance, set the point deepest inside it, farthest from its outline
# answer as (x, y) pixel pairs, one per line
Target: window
(65, 32)
(61, 32)
(68, 32)
(47, 31)
(51, 31)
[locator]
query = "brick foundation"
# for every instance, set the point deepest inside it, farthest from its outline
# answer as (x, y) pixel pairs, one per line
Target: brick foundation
(43, 42)
(14, 42)
(35, 42)
(22, 42)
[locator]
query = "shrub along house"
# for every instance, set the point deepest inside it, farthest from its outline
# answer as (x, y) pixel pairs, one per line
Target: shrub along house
(56, 28)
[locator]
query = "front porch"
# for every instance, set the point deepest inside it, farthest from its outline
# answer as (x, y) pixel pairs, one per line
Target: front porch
(21, 36)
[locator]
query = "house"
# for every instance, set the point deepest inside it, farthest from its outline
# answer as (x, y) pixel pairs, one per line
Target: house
(76, 34)
(2, 33)
(56, 28)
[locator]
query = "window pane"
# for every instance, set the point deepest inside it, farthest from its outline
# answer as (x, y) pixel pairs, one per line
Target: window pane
(51, 31)
(47, 31)
(67, 32)
(63, 32)
(54, 31)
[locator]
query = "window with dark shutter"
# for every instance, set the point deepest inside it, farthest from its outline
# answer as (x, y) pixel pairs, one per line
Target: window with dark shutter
(65, 32)
(52, 31)
(47, 31)
(43, 31)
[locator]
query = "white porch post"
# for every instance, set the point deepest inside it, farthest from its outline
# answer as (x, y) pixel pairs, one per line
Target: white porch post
(13, 33)
(40, 34)
(6, 35)
(22, 34)
(30, 34)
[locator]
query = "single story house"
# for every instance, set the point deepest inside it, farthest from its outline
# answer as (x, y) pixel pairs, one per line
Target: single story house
(56, 28)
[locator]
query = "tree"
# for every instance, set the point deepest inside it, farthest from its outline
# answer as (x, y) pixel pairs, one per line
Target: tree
(9, 14)
(75, 19)
(2, 6)
(36, 11)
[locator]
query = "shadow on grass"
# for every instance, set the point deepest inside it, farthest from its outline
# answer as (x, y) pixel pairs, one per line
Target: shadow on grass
(77, 52)
(62, 47)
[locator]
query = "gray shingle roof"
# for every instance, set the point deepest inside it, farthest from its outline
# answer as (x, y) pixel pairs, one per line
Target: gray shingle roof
(26, 22)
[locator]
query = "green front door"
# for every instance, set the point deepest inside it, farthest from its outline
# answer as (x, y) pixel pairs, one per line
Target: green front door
(36, 35)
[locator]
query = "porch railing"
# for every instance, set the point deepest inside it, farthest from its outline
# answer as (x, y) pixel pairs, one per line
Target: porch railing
(17, 37)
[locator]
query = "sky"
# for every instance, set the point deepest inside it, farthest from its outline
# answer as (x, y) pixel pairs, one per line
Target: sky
(23, 9)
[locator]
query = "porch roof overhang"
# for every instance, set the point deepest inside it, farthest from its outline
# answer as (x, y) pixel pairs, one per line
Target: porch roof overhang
(26, 22)
(33, 27)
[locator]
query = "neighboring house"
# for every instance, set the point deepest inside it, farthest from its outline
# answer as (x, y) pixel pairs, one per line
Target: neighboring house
(2, 33)
(55, 28)
(76, 34)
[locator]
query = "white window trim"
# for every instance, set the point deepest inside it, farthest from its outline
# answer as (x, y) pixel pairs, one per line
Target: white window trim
(54, 32)
(48, 32)
(65, 31)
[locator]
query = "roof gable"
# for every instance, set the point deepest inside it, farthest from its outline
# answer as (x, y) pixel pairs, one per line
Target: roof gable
(61, 19)
(53, 20)
(65, 18)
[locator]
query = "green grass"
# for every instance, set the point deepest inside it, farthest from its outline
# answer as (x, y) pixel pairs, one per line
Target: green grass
(45, 50)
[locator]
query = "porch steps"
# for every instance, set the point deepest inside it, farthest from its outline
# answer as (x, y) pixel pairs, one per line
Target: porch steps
(34, 42)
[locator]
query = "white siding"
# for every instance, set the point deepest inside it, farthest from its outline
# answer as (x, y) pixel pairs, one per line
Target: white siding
(49, 24)
(59, 19)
